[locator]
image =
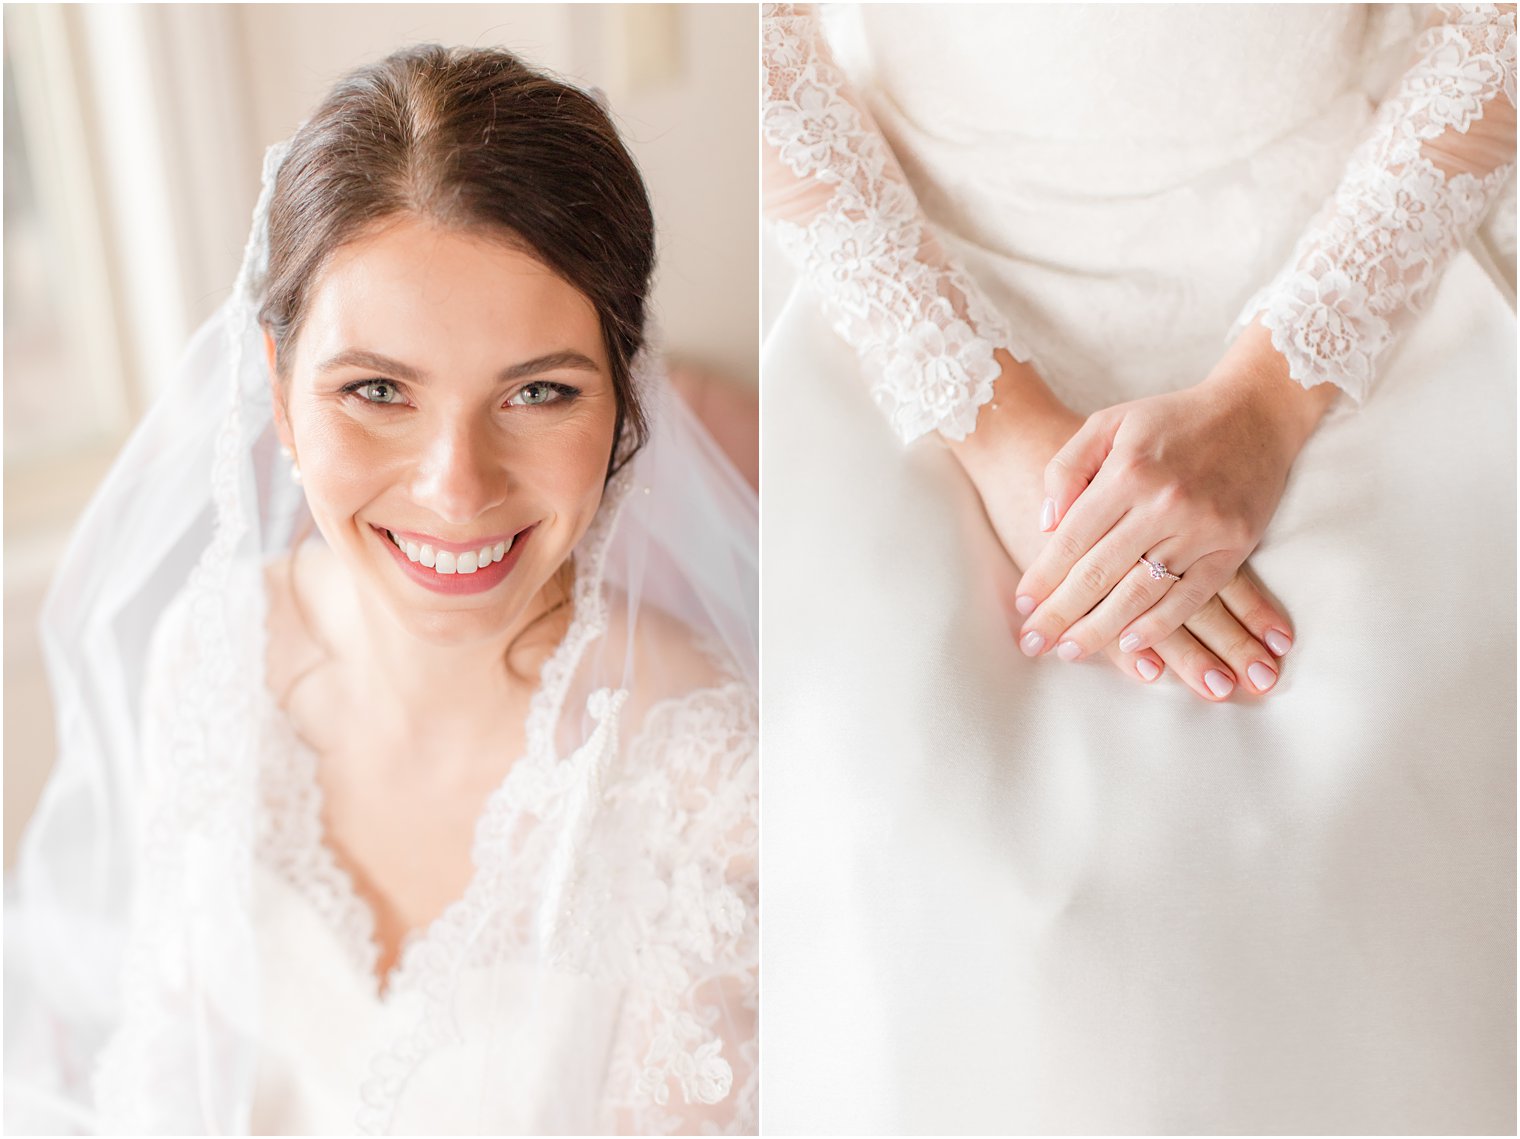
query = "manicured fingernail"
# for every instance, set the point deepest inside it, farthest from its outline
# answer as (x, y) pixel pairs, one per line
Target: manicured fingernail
(1068, 650)
(1024, 604)
(1147, 668)
(1032, 642)
(1048, 514)
(1219, 684)
(1278, 642)
(1128, 643)
(1261, 676)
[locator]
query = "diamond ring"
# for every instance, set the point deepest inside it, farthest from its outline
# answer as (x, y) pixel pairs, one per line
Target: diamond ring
(1159, 570)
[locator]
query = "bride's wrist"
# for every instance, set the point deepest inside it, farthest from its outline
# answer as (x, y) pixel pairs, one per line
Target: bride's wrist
(1254, 375)
(1016, 419)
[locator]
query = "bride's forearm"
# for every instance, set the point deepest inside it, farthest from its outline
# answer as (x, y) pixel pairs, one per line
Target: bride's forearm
(1253, 372)
(1017, 417)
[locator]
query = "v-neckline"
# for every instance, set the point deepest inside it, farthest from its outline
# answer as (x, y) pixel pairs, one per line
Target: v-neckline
(301, 844)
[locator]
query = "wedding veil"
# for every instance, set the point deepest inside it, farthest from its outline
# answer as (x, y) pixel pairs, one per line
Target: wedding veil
(132, 996)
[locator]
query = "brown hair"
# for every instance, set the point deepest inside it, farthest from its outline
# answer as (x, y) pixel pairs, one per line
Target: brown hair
(476, 140)
(473, 139)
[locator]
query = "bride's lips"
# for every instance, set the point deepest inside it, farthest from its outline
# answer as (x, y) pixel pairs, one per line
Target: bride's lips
(457, 584)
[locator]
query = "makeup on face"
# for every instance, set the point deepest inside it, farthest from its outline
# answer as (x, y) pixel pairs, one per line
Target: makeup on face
(453, 567)
(453, 411)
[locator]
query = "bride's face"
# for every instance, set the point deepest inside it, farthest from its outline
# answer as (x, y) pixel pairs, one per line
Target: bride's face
(452, 411)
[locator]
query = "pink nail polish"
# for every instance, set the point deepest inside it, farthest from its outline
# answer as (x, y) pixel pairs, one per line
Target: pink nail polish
(1219, 684)
(1129, 643)
(1147, 668)
(1261, 676)
(1032, 643)
(1068, 650)
(1048, 514)
(1024, 604)
(1278, 642)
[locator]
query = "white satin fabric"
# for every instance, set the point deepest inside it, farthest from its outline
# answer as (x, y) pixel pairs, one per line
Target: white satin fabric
(1028, 896)
(324, 1022)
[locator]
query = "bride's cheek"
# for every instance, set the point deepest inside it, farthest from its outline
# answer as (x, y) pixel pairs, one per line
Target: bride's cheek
(344, 461)
(569, 464)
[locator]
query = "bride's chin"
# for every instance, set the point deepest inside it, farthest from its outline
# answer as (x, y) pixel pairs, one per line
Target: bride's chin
(441, 625)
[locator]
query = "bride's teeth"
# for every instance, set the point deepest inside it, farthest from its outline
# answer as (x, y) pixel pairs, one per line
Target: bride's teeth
(446, 561)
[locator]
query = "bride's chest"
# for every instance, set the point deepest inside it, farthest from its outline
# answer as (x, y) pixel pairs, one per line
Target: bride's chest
(1130, 74)
(391, 859)
(402, 831)
(327, 1041)
(365, 873)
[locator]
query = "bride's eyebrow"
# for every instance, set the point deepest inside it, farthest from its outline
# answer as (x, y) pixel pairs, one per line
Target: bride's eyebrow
(551, 361)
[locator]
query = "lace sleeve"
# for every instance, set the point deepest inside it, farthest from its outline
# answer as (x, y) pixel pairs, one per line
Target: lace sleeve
(846, 217)
(1440, 150)
(686, 1060)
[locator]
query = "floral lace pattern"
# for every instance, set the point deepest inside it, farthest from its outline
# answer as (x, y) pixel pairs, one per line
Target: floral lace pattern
(850, 222)
(1397, 217)
(290, 840)
(221, 779)
(688, 787)
(636, 870)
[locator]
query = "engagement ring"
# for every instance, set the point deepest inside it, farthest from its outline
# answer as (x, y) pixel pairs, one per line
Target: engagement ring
(1159, 570)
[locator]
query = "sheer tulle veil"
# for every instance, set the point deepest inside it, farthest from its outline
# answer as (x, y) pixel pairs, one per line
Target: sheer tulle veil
(132, 994)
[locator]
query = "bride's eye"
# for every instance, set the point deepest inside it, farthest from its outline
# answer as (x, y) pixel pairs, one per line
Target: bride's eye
(541, 392)
(382, 392)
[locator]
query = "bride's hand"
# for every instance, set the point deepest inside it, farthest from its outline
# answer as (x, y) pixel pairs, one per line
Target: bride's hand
(1189, 479)
(1005, 458)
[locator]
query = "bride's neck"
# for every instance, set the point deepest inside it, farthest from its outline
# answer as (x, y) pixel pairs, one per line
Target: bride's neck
(415, 690)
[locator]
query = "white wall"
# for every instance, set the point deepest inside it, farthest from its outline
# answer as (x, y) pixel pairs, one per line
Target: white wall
(682, 82)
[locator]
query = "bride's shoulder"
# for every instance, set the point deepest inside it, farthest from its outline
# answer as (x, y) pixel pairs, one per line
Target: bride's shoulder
(696, 716)
(670, 656)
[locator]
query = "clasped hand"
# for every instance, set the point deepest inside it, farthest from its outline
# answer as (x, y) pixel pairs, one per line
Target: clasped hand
(1188, 480)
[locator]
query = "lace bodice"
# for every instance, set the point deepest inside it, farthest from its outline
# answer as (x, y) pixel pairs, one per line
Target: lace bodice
(622, 874)
(1439, 150)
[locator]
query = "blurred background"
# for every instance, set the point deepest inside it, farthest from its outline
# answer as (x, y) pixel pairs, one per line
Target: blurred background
(134, 137)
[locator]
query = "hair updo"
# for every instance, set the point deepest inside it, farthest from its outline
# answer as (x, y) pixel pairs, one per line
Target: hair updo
(474, 140)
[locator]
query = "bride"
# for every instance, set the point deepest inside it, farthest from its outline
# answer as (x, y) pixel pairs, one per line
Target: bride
(406, 667)
(1155, 287)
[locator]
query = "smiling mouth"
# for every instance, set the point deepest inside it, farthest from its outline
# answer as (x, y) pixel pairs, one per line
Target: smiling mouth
(445, 562)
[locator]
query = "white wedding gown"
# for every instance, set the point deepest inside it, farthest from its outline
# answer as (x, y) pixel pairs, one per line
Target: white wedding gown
(1016, 895)
(640, 1023)
(597, 975)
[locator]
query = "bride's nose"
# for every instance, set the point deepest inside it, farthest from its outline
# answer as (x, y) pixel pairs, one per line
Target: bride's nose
(462, 472)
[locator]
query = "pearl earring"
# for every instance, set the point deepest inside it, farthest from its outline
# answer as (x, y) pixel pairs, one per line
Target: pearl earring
(295, 467)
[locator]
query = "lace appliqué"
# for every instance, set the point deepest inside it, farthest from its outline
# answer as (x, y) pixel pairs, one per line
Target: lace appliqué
(290, 841)
(924, 334)
(589, 863)
(686, 940)
(1396, 218)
